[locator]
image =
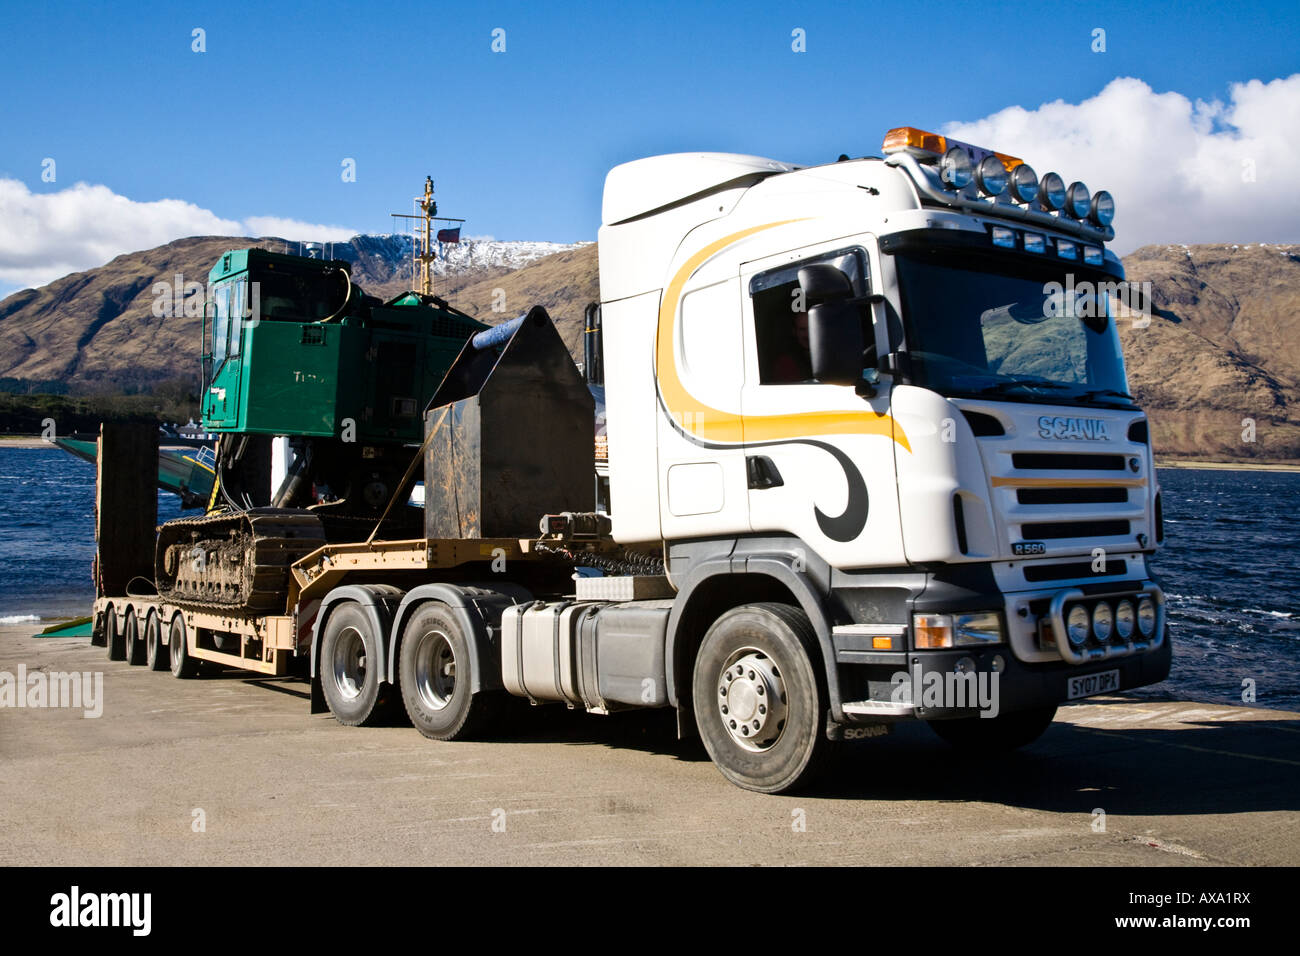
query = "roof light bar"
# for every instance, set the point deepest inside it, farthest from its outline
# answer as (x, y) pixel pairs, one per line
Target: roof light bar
(961, 164)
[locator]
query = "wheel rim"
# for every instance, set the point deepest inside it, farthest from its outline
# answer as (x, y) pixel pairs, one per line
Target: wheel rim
(752, 700)
(132, 631)
(175, 646)
(350, 663)
(151, 637)
(435, 669)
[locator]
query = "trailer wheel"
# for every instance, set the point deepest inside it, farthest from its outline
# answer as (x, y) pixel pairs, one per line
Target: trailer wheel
(348, 672)
(113, 635)
(155, 652)
(759, 703)
(131, 642)
(995, 734)
(435, 676)
(178, 652)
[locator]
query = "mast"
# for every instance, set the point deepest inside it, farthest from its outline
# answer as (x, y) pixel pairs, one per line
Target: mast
(423, 254)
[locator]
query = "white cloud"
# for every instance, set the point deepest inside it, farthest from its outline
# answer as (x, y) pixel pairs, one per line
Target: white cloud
(47, 235)
(1180, 171)
(296, 229)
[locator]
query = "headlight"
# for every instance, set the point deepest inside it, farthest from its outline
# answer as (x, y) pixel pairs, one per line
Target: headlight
(977, 629)
(956, 169)
(1051, 191)
(938, 631)
(1103, 621)
(1124, 620)
(1147, 616)
(1103, 208)
(991, 175)
(1024, 183)
(1076, 625)
(1078, 201)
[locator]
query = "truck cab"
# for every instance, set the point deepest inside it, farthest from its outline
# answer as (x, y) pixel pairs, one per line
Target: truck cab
(887, 393)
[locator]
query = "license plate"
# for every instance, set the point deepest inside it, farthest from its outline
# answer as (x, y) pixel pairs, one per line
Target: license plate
(1087, 685)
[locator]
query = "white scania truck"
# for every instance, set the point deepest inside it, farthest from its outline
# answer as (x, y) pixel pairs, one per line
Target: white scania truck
(869, 419)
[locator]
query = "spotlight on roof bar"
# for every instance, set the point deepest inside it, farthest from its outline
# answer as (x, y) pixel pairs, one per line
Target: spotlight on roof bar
(991, 174)
(1103, 208)
(1051, 191)
(1024, 183)
(956, 169)
(1078, 200)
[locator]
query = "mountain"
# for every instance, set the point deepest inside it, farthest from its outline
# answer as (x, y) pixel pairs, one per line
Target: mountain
(1217, 367)
(96, 330)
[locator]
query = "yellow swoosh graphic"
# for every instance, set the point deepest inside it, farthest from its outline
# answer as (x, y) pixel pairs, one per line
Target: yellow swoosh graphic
(715, 425)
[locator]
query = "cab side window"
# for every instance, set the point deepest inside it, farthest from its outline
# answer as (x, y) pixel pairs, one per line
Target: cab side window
(781, 316)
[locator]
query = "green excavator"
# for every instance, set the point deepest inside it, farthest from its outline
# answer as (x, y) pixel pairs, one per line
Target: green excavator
(317, 392)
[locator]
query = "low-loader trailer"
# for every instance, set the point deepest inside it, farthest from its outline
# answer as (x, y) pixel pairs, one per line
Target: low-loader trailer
(870, 455)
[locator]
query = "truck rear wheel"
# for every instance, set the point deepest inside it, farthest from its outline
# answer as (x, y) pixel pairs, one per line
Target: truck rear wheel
(759, 702)
(114, 637)
(436, 675)
(131, 643)
(155, 651)
(348, 668)
(995, 734)
(178, 652)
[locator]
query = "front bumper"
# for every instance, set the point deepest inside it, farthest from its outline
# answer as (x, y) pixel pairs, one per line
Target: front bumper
(924, 685)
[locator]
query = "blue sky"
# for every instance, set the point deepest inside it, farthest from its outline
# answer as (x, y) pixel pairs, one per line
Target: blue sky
(519, 142)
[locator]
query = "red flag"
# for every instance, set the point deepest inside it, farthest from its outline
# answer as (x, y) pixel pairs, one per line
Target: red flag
(449, 235)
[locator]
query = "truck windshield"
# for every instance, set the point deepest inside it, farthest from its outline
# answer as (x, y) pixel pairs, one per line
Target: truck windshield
(1036, 334)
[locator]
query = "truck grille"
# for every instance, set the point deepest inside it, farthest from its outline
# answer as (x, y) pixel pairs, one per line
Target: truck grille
(1071, 496)
(1066, 461)
(1073, 529)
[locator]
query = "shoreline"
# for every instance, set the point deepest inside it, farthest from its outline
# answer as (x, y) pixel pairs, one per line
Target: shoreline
(1203, 464)
(1228, 465)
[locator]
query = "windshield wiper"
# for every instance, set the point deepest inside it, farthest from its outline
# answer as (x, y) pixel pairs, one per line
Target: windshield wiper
(1001, 387)
(1097, 392)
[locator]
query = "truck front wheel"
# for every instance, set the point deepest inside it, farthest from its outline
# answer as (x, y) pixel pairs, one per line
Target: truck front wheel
(759, 701)
(435, 671)
(995, 734)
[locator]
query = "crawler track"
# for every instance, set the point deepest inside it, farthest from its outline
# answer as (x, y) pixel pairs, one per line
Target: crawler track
(234, 561)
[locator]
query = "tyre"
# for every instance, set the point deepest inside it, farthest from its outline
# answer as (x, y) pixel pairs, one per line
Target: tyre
(155, 651)
(178, 652)
(435, 671)
(995, 734)
(348, 669)
(132, 644)
(114, 635)
(760, 702)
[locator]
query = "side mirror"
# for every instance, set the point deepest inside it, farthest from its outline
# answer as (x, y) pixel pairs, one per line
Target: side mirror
(835, 340)
(835, 343)
(824, 283)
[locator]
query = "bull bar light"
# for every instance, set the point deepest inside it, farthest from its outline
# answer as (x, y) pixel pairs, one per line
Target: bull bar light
(956, 169)
(1078, 201)
(991, 175)
(1051, 191)
(1024, 183)
(939, 631)
(1102, 211)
